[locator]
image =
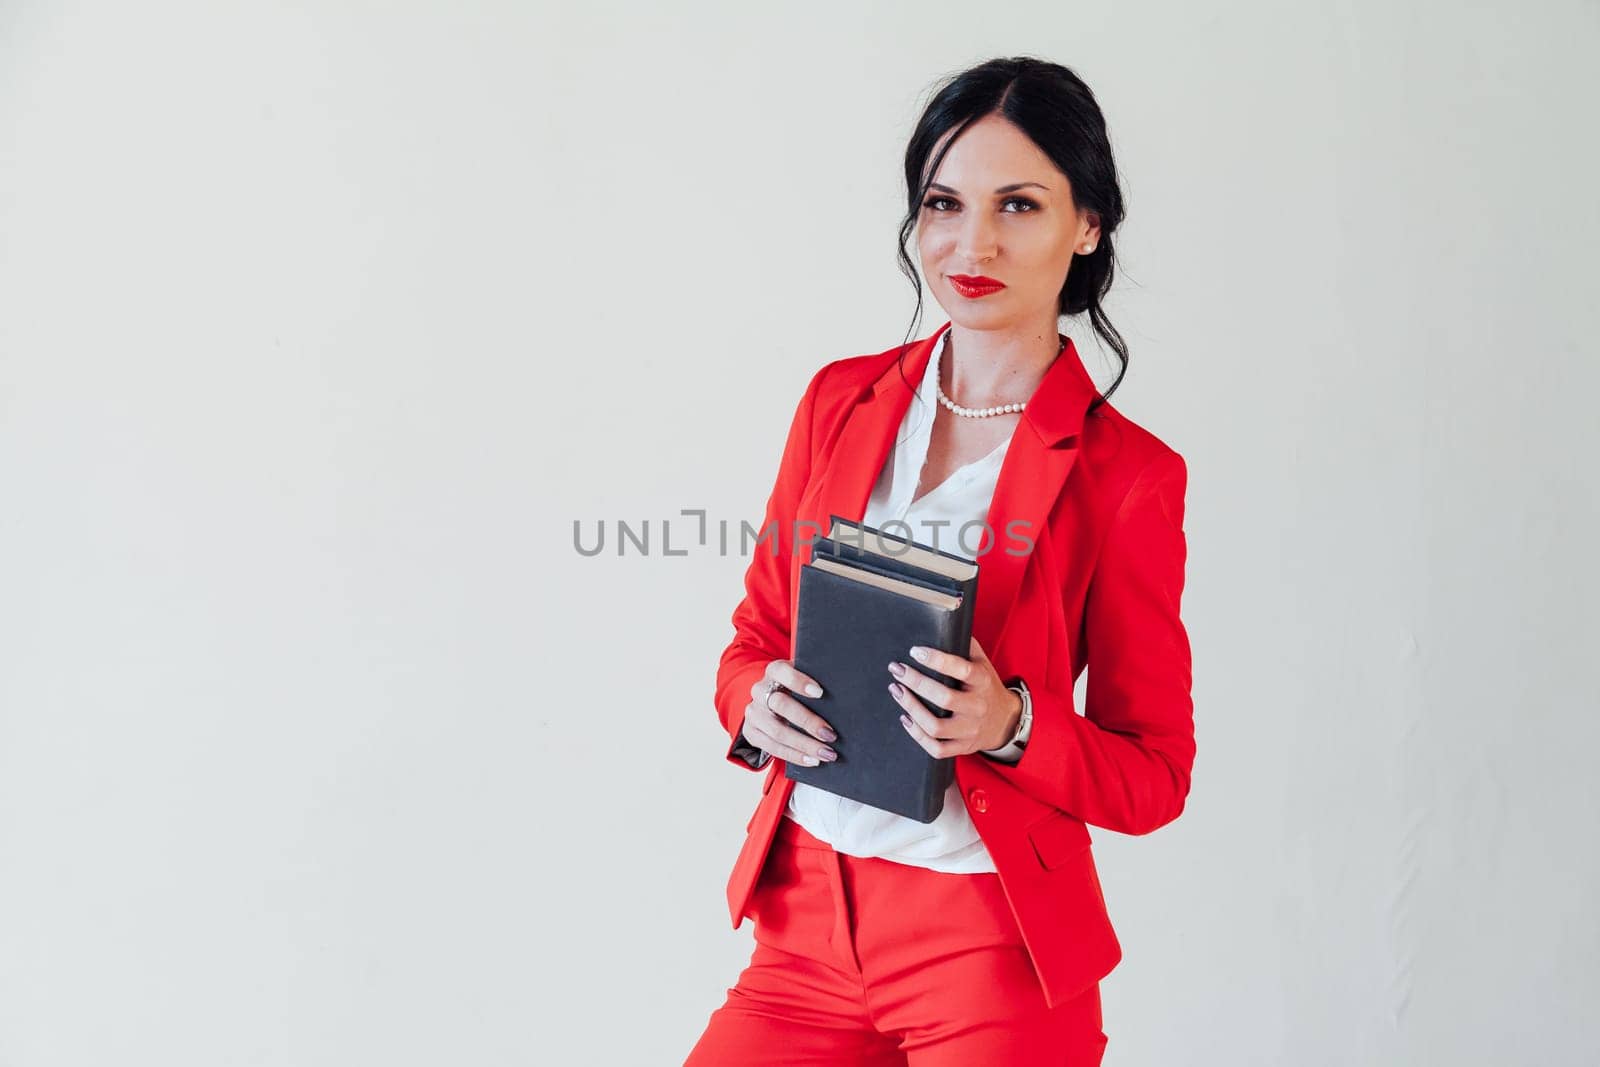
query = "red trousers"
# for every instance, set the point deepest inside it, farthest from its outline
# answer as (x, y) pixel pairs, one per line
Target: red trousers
(865, 961)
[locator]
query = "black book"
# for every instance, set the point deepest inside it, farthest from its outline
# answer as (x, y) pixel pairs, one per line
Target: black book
(865, 598)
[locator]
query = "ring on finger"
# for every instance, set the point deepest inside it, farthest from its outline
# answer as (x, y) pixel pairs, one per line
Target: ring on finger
(772, 687)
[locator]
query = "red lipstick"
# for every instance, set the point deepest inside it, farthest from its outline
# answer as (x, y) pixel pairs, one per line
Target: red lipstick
(974, 285)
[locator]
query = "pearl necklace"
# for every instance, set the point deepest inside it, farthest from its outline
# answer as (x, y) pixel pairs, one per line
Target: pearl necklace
(971, 413)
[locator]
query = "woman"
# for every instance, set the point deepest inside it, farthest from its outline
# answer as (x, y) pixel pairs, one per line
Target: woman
(980, 938)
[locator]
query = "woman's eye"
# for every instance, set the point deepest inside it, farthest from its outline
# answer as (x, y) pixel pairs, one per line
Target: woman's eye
(1025, 207)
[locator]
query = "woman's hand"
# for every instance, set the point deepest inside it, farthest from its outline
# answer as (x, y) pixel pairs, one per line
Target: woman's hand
(773, 729)
(985, 712)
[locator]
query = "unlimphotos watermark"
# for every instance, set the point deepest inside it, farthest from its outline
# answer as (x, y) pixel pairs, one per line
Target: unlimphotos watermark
(893, 538)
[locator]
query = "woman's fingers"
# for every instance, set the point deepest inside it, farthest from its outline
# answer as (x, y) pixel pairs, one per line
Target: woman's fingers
(929, 730)
(806, 726)
(772, 732)
(781, 725)
(783, 672)
(793, 680)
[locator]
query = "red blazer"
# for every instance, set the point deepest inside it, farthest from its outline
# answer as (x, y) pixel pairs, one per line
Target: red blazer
(1103, 501)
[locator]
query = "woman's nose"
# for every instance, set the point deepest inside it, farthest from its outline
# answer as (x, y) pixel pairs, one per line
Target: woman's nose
(976, 241)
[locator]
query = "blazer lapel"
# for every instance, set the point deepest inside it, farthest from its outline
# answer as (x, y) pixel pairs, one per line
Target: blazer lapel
(863, 444)
(1042, 452)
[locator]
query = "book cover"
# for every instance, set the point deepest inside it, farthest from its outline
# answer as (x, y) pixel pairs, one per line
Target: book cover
(865, 598)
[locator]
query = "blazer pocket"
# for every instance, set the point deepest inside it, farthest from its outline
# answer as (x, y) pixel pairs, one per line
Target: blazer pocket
(1057, 839)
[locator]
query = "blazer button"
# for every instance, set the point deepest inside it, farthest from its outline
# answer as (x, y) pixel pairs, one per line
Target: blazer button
(978, 800)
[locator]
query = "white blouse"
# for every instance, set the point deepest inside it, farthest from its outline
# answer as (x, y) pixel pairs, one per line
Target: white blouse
(950, 843)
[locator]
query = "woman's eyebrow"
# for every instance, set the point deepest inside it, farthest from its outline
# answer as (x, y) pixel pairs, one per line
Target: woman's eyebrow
(998, 192)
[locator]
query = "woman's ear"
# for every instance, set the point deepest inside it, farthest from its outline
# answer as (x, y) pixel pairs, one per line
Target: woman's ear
(1091, 233)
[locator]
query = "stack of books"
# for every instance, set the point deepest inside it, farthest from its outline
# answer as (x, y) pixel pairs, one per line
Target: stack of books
(865, 598)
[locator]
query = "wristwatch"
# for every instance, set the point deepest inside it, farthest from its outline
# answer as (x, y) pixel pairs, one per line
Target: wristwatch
(1012, 750)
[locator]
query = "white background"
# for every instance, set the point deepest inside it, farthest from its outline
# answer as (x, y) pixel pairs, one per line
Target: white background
(320, 324)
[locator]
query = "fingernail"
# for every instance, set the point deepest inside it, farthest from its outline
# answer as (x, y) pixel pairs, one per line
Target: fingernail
(894, 687)
(827, 735)
(919, 654)
(829, 754)
(813, 690)
(896, 670)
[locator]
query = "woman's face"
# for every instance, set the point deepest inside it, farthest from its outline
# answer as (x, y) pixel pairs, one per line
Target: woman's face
(999, 209)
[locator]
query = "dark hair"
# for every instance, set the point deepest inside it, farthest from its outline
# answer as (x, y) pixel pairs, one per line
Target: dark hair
(1056, 110)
